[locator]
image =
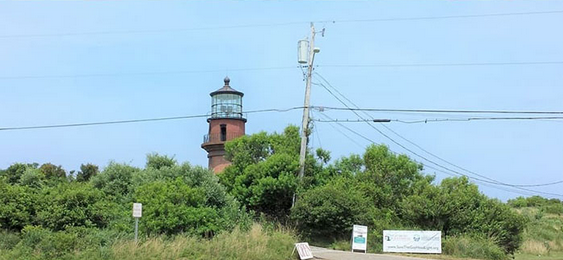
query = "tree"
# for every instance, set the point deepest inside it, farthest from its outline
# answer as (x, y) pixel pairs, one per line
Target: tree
(263, 171)
(16, 171)
(388, 178)
(87, 171)
(53, 172)
(116, 180)
(158, 162)
(16, 206)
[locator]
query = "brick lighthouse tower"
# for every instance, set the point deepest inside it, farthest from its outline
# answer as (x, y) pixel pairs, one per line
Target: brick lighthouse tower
(225, 123)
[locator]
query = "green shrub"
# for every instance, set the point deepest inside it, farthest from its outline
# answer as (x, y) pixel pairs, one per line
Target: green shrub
(116, 180)
(472, 247)
(74, 204)
(16, 206)
(173, 207)
(331, 210)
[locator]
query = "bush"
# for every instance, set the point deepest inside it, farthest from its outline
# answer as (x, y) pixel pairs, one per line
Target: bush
(16, 206)
(174, 207)
(74, 204)
(116, 180)
(472, 247)
(331, 210)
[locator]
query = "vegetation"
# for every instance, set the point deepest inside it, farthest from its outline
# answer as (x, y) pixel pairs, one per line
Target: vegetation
(543, 235)
(188, 212)
(79, 243)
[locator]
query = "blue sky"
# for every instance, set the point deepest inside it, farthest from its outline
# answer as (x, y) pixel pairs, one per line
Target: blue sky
(522, 152)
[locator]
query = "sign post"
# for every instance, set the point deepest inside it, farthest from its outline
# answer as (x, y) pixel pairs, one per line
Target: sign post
(137, 213)
(360, 238)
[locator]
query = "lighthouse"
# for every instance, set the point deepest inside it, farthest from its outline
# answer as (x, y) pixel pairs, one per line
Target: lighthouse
(226, 122)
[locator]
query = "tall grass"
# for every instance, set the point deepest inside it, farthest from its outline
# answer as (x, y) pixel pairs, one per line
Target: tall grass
(472, 247)
(256, 243)
(253, 244)
(544, 232)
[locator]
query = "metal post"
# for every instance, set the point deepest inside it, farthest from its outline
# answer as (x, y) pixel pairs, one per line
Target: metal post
(136, 229)
(305, 126)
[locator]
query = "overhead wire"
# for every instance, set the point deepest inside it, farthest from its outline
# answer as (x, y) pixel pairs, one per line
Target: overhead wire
(242, 26)
(174, 72)
(552, 118)
(135, 120)
(491, 181)
(520, 192)
(466, 64)
(145, 73)
(344, 134)
(442, 111)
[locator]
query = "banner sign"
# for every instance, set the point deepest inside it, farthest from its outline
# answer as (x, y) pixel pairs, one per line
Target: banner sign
(304, 251)
(406, 241)
(359, 238)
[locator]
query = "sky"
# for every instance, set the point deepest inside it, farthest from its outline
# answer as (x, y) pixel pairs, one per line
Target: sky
(89, 61)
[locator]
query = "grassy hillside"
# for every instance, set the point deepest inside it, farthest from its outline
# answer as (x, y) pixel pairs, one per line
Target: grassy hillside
(543, 237)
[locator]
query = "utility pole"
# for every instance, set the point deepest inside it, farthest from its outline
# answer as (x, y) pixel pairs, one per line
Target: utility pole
(305, 126)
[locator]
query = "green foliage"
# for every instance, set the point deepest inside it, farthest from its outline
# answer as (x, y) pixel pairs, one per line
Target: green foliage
(552, 206)
(473, 247)
(331, 210)
(174, 207)
(33, 178)
(16, 171)
(8, 240)
(53, 172)
(74, 204)
(158, 162)
(263, 173)
(87, 171)
(116, 180)
(396, 176)
(17, 206)
(457, 207)
(544, 233)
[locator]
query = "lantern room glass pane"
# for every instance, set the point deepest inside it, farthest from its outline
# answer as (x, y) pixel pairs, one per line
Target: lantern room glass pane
(226, 105)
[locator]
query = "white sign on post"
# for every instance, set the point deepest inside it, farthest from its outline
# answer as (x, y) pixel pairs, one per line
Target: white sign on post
(304, 251)
(407, 241)
(360, 238)
(137, 210)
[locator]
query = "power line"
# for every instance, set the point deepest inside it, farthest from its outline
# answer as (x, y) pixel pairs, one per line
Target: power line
(443, 119)
(173, 72)
(430, 167)
(450, 111)
(145, 73)
(135, 120)
(495, 182)
(468, 64)
(479, 119)
(345, 135)
(446, 17)
(242, 26)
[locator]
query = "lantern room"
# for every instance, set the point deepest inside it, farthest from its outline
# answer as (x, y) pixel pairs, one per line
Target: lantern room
(226, 102)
